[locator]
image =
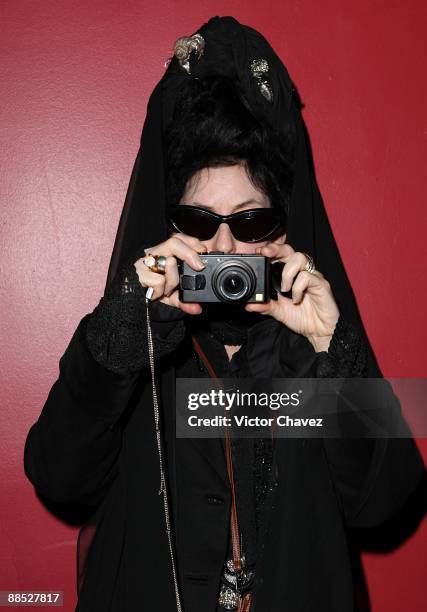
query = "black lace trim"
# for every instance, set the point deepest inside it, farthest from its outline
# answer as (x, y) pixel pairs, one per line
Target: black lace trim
(347, 353)
(116, 332)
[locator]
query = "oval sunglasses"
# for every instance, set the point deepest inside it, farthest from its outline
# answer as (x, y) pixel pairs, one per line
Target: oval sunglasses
(253, 225)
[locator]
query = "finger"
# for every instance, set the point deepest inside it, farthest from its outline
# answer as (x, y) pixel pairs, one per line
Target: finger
(191, 308)
(194, 243)
(267, 308)
(147, 278)
(279, 309)
(171, 275)
(179, 248)
(294, 265)
(303, 281)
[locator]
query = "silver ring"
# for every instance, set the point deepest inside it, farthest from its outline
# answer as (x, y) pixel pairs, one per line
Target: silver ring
(309, 266)
(156, 263)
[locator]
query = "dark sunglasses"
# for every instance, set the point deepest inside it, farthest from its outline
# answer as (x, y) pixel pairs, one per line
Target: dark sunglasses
(253, 225)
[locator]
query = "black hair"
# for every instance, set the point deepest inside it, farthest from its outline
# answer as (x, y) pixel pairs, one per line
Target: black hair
(212, 126)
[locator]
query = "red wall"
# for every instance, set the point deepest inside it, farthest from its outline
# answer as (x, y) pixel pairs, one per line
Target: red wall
(75, 78)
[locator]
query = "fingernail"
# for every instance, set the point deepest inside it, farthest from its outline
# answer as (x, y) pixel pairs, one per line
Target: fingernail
(199, 265)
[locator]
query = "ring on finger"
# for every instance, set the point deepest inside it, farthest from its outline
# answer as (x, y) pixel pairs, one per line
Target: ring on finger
(309, 266)
(156, 263)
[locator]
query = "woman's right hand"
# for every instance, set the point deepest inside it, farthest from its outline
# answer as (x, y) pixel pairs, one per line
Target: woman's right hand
(165, 286)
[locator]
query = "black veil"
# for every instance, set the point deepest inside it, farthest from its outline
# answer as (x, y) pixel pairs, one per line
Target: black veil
(229, 50)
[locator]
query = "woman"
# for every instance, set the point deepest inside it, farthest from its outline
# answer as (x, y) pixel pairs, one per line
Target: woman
(223, 135)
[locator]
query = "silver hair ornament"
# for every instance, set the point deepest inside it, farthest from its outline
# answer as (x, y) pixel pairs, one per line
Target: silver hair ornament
(259, 68)
(185, 45)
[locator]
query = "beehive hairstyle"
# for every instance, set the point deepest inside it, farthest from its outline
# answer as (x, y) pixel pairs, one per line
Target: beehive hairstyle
(212, 127)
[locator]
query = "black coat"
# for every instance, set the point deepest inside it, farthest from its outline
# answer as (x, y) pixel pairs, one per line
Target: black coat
(94, 444)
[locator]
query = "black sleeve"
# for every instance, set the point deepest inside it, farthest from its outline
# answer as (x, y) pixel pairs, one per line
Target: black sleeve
(117, 330)
(347, 353)
(71, 452)
(373, 476)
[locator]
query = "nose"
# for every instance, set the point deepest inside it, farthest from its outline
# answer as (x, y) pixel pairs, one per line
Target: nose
(222, 241)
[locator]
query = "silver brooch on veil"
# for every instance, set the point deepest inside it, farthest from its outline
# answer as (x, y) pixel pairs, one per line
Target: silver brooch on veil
(259, 69)
(185, 45)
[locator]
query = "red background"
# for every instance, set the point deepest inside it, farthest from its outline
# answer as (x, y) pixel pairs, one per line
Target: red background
(75, 78)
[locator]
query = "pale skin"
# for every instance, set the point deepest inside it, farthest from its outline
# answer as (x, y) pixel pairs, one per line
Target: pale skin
(312, 311)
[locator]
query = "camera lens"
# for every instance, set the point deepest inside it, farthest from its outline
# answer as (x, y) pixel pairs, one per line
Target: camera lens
(233, 281)
(233, 284)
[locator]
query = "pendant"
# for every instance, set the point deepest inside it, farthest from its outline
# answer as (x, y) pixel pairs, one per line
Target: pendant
(234, 584)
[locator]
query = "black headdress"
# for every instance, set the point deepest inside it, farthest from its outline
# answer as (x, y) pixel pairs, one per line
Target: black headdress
(224, 47)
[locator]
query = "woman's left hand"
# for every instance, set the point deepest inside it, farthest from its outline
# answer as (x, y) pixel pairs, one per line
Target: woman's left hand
(312, 311)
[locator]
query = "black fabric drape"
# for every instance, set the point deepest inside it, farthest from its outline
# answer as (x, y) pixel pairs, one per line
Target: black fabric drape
(230, 48)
